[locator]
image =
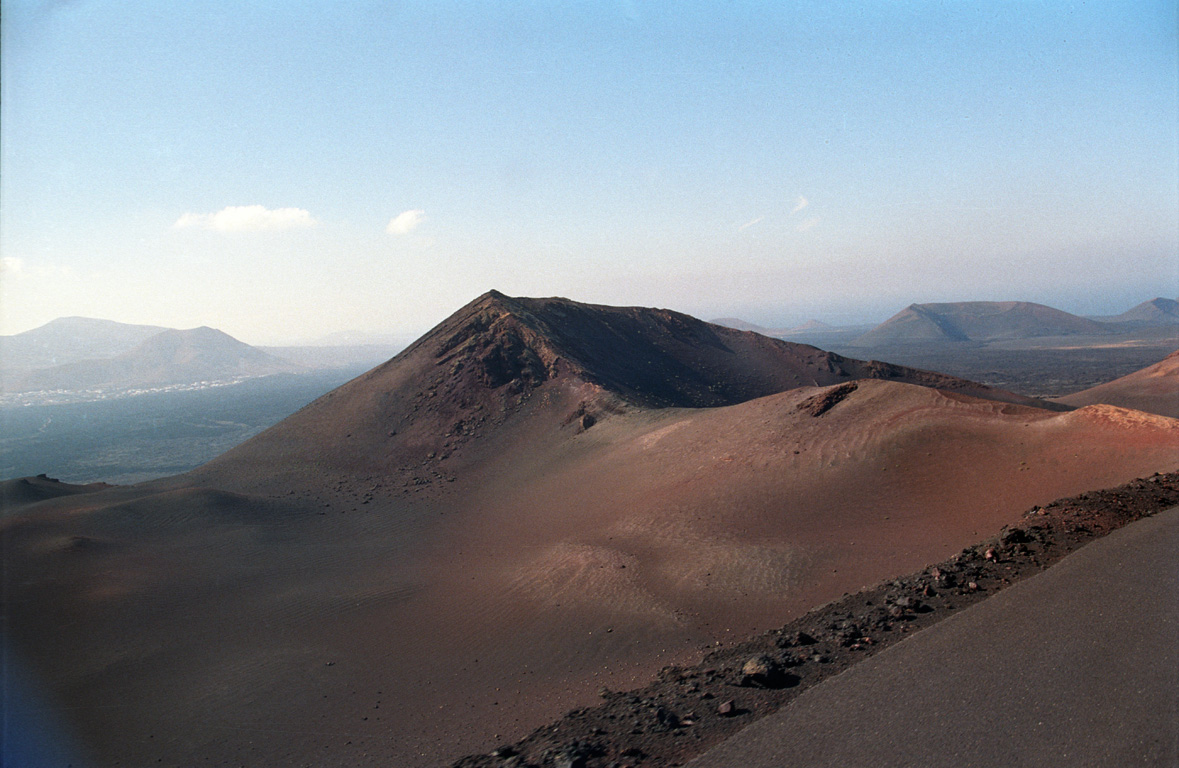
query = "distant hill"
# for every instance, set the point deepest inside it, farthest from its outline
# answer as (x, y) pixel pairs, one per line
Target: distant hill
(738, 324)
(70, 339)
(1154, 389)
(1157, 311)
(817, 329)
(977, 321)
(812, 326)
(168, 357)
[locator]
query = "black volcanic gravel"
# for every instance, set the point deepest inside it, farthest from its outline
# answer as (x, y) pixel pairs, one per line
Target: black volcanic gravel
(687, 710)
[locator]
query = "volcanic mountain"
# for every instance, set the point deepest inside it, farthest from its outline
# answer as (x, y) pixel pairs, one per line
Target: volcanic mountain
(976, 321)
(536, 500)
(167, 357)
(68, 340)
(584, 362)
(1154, 389)
(1157, 311)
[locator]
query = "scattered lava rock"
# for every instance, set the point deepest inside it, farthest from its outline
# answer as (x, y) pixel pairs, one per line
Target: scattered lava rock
(574, 755)
(665, 719)
(826, 400)
(641, 727)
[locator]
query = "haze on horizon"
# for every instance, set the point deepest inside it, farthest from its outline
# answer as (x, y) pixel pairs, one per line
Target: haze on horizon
(289, 169)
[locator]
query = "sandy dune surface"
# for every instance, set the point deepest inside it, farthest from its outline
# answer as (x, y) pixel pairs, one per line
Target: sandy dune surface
(1154, 389)
(455, 549)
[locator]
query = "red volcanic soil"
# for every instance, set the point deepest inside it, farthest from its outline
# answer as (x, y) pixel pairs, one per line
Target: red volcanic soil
(1154, 389)
(984, 714)
(538, 499)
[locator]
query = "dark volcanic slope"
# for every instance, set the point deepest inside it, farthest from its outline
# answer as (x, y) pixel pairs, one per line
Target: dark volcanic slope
(474, 370)
(656, 357)
(977, 321)
(169, 357)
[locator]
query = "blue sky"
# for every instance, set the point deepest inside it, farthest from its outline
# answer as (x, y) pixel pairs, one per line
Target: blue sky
(283, 170)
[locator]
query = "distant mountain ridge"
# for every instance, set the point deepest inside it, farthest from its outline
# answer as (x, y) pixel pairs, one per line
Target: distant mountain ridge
(165, 357)
(70, 339)
(1157, 311)
(737, 323)
(977, 321)
(810, 326)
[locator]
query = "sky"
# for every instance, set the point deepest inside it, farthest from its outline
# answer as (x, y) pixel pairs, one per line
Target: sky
(287, 170)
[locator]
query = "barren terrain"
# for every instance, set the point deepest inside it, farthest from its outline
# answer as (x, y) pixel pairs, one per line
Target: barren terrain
(689, 709)
(1154, 389)
(538, 499)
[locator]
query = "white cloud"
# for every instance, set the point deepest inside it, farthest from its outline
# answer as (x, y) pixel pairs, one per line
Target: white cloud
(188, 220)
(749, 224)
(11, 265)
(803, 226)
(802, 203)
(248, 218)
(405, 222)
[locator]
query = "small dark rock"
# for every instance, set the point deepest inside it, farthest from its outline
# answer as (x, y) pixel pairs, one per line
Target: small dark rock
(1016, 536)
(727, 708)
(665, 719)
(763, 672)
(758, 666)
